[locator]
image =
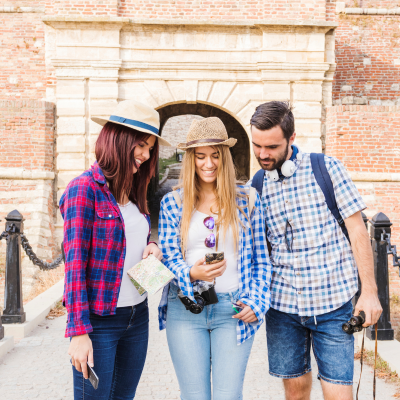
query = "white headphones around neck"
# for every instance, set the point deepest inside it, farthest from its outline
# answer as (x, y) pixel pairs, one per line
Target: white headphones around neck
(288, 169)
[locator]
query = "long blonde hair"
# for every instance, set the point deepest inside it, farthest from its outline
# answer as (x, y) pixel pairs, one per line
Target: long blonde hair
(225, 190)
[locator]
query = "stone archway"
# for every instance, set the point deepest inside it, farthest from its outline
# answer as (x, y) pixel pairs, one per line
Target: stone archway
(199, 67)
(240, 152)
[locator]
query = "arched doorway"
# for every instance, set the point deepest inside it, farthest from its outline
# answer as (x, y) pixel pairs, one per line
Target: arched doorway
(240, 152)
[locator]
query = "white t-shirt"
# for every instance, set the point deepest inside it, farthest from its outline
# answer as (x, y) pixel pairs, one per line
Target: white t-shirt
(136, 232)
(196, 249)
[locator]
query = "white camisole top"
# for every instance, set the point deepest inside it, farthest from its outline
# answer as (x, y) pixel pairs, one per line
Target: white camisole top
(196, 249)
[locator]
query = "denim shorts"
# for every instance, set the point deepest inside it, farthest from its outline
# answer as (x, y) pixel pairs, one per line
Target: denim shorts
(289, 339)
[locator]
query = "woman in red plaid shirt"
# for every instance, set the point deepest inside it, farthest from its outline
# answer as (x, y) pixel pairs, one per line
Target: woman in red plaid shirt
(106, 232)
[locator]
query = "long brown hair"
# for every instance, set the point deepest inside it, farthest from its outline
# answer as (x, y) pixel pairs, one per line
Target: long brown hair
(114, 153)
(225, 190)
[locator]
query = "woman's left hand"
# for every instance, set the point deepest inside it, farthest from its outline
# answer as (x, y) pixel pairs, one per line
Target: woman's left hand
(247, 314)
(152, 249)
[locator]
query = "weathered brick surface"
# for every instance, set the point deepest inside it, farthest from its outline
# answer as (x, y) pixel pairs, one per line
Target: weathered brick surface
(27, 134)
(223, 9)
(363, 137)
(368, 60)
(22, 49)
(372, 3)
(84, 7)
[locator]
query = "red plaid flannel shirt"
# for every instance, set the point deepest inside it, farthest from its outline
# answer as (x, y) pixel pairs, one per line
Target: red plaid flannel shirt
(95, 248)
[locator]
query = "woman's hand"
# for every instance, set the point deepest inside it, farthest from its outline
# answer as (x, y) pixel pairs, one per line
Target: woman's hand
(152, 248)
(247, 314)
(81, 351)
(206, 272)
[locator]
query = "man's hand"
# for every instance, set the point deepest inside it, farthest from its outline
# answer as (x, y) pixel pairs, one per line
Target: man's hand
(362, 251)
(370, 304)
(152, 248)
(247, 314)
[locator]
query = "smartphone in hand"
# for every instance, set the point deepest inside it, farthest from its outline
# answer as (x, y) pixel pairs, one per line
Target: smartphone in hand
(213, 258)
(237, 308)
(93, 378)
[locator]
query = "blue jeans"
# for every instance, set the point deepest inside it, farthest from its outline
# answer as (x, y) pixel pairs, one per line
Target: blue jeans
(198, 341)
(119, 352)
(289, 339)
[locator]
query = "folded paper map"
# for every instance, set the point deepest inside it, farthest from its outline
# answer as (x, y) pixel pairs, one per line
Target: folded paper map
(150, 275)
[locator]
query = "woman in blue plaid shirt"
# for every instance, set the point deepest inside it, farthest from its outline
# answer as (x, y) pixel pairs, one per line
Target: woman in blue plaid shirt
(211, 213)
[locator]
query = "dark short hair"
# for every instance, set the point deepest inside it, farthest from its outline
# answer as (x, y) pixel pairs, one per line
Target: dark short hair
(274, 113)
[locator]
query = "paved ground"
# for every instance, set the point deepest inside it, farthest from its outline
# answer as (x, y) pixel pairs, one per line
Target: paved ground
(38, 368)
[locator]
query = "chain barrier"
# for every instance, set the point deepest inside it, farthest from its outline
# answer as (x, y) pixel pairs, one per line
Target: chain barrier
(43, 265)
(10, 228)
(391, 249)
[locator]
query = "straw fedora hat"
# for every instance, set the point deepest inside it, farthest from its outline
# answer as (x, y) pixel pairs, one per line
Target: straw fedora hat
(137, 116)
(207, 132)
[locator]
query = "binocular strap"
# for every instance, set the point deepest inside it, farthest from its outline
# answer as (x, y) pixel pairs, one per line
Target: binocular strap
(361, 361)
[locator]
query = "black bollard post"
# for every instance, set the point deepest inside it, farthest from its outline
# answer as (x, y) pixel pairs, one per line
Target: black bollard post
(13, 306)
(357, 295)
(380, 224)
(1, 327)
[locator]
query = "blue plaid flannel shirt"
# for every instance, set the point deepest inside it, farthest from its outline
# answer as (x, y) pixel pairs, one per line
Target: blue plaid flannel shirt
(319, 273)
(253, 261)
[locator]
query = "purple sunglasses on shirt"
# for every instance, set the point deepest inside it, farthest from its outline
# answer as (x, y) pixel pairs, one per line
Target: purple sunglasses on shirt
(209, 223)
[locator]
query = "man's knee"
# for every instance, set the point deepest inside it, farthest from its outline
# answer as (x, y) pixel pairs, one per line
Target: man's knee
(298, 388)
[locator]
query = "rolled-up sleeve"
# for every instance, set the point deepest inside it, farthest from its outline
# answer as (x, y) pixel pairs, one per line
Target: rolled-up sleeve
(77, 206)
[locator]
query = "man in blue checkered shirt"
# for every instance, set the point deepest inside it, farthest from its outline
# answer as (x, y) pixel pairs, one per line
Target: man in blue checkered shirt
(314, 266)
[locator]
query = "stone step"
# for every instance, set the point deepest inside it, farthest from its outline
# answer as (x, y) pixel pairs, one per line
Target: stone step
(174, 172)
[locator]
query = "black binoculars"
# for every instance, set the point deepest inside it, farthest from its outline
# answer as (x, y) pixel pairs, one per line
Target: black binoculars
(355, 324)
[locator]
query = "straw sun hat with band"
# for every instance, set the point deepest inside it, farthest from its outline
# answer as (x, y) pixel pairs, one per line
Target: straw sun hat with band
(137, 116)
(207, 132)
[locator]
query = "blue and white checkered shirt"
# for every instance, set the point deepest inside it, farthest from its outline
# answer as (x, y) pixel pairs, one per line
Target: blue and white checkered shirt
(314, 270)
(254, 266)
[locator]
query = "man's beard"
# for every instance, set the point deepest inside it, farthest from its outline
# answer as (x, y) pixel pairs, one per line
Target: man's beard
(276, 162)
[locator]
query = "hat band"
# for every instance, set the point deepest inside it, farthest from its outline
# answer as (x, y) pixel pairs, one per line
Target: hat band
(132, 122)
(205, 141)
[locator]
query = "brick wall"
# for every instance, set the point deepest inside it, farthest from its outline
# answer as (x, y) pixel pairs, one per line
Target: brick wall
(372, 3)
(84, 7)
(364, 138)
(368, 60)
(22, 49)
(223, 9)
(27, 134)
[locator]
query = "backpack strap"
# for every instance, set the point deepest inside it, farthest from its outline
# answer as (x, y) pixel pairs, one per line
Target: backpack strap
(252, 199)
(325, 183)
(258, 181)
(177, 198)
